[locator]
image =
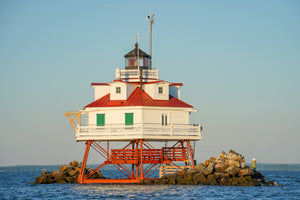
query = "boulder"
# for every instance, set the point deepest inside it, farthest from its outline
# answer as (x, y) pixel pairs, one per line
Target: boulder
(270, 183)
(199, 178)
(209, 169)
(39, 180)
(63, 167)
(61, 181)
(99, 175)
(232, 155)
(164, 179)
(206, 163)
(222, 155)
(218, 175)
(245, 172)
(249, 178)
(199, 167)
(168, 179)
(257, 175)
(243, 164)
(211, 180)
(232, 170)
(187, 178)
(234, 181)
(220, 167)
(233, 163)
(212, 160)
(151, 181)
(242, 180)
(75, 163)
(60, 176)
(73, 172)
(224, 181)
(54, 173)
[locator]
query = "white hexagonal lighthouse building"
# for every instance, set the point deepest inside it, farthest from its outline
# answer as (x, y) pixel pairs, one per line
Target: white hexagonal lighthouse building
(138, 108)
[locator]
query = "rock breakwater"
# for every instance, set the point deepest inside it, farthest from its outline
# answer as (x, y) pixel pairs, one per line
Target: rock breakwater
(65, 174)
(229, 169)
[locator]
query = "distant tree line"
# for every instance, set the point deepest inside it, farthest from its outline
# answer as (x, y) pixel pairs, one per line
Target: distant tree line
(39, 168)
(278, 167)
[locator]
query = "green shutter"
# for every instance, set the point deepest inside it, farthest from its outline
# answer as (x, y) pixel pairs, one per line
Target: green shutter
(128, 118)
(100, 119)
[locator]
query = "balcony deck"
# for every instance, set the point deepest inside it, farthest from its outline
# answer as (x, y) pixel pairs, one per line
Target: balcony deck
(133, 75)
(152, 132)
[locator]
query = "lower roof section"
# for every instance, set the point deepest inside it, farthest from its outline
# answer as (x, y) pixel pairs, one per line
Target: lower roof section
(138, 98)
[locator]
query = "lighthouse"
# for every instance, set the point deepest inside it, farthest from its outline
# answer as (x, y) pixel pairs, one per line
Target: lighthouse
(139, 109)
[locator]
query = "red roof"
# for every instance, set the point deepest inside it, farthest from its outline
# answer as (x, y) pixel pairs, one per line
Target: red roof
(138, 98)
(93, 84)
(176, 84)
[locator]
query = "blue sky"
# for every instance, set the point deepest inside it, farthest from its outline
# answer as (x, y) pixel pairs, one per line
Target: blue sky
(238, 60)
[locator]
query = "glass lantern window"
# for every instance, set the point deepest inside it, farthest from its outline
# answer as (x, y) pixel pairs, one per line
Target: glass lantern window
(132, 62)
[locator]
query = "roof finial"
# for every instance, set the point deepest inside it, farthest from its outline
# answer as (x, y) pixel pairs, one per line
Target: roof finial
(137, 38)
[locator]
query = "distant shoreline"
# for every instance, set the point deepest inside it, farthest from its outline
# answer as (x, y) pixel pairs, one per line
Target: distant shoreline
(39, 168)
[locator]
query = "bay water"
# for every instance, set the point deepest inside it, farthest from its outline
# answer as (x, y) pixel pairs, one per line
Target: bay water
(16, 183)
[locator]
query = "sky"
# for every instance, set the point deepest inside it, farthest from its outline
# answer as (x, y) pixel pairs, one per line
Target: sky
(239, 62)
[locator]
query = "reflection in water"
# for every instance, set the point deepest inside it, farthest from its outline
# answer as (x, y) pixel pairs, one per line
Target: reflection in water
(136, 191)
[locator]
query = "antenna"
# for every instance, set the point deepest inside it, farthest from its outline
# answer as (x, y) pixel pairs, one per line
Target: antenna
(138, 58)
(151, 20)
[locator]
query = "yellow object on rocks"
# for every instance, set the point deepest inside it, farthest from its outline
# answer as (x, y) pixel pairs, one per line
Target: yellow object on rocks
(253, 164)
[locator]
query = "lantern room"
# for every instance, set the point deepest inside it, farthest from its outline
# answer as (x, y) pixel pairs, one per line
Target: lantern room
(136, 58)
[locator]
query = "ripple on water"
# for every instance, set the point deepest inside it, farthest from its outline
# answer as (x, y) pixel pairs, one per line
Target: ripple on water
(16, 186)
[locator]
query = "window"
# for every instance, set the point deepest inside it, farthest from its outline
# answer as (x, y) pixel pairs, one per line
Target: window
(164, 120)
(100, 119)
(118, 90)
(146, 62)
(128, 118)
(160, 90)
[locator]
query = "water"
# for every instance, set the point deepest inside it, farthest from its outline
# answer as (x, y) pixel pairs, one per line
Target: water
(15, 184)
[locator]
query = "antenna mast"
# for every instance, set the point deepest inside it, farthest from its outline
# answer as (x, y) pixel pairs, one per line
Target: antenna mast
(151, 20)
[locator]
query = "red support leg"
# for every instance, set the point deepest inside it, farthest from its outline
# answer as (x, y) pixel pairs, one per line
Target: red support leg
(132, 166)
(83, 165)
(137, 172)
(190, 152)
(107, 154)
(141, 159)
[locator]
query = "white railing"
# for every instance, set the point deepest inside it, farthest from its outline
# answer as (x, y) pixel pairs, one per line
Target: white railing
(135, 74)
(179, 130)
(169, 169)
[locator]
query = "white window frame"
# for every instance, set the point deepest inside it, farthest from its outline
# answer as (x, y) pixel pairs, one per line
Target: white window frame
(160, 90)
(164, 119)
(118, 90)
